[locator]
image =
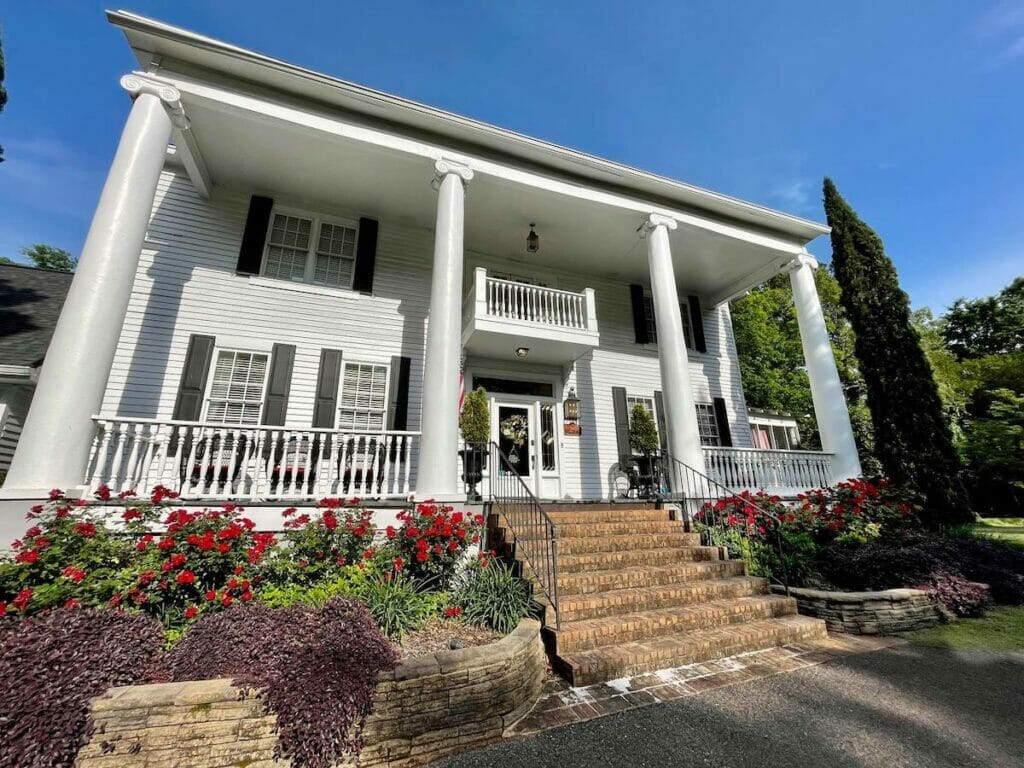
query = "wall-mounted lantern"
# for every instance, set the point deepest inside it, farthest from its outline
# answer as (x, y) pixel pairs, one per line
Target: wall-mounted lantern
(571, 406)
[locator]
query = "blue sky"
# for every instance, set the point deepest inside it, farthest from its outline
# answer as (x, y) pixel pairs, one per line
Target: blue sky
(913, 107)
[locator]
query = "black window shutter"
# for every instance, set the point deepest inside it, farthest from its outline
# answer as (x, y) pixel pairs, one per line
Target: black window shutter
(328, 380)
(366, 256)
(275, 404)
(621, 422)
(697, 324)
(636, 296)
(659, 411)
(724, 435)
(398, 408)
(250, 255)
(189, 404)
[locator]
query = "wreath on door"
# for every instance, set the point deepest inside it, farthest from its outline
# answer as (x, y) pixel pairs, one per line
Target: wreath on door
(515, 428)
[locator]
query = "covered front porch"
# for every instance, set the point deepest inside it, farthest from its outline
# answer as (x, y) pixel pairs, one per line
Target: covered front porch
(596, 222)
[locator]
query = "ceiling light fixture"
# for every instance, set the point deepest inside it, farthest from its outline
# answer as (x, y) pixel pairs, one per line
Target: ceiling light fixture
(532, 240)
(522, 351)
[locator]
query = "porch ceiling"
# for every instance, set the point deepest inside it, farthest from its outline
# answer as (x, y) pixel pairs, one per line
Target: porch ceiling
(331, 173)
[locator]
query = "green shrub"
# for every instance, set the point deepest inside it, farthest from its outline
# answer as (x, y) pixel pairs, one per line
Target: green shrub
(493, 596)
(347, 583)
(643, 433)
(397, 603)
(475, 419)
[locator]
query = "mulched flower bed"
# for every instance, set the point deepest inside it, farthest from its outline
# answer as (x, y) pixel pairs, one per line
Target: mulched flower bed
(437, 635)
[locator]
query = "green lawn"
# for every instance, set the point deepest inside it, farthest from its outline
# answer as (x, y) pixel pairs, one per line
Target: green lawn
(1009, 529)
(1000, 629)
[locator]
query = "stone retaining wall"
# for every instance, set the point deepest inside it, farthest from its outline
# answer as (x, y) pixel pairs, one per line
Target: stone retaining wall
(868, 613)
(428, 707)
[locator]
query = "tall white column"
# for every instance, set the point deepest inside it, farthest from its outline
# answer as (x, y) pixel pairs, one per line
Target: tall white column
(680, 409)
(826, 388)
(438, 461)
(55, 442)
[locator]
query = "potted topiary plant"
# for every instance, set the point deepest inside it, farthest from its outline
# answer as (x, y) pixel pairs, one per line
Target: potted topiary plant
(643, 438)
(475, 425)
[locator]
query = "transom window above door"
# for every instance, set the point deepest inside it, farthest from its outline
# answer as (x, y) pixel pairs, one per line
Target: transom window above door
(310, 249)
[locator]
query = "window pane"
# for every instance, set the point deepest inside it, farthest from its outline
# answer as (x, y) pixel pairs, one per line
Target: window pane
(288, 247)
(335, 255)
(646, 402)
(707, 424)
(684, 313)
(363, 402)
(652, 329)
(236, 392)
(547, 437)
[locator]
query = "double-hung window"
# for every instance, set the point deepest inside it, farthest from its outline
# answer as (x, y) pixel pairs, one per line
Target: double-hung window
(707, 425)
(647, 403)
(310, 249)
(684, 314)
(236, 387)
(364, 397)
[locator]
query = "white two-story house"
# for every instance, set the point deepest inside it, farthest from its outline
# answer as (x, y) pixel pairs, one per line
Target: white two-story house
(290, 279)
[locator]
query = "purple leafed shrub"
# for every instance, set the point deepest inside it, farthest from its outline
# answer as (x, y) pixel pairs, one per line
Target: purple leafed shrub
(318, 669)
(962, 597)
(51, 667)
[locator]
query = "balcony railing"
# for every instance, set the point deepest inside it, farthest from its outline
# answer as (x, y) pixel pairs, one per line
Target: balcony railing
(231, 462)
(500, 299)
(782, 472)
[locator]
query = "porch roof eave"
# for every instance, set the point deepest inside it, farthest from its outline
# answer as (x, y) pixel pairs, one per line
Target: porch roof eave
(152, 40)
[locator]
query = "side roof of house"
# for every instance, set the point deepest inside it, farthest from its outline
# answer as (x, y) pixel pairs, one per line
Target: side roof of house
(30, 303)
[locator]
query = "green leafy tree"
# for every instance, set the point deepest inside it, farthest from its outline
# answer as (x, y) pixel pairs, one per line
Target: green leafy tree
(48, 257)
(913, 441)
(3, 91)
(5, 260)
(989, 326)
(643, 433)
(772, 362)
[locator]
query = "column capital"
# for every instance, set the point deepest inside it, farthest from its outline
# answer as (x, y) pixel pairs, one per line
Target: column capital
(802, 259)
(656, 220)
(444, 166)
(137, 84)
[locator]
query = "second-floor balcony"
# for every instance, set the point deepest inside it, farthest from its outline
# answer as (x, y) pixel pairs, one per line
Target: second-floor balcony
(509, 319)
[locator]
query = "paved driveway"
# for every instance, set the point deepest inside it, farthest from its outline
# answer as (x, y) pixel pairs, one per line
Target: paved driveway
(904, 706)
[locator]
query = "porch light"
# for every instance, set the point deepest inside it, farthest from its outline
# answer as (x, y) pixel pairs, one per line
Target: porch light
(532, 240)
(571, 406)
(522, 351)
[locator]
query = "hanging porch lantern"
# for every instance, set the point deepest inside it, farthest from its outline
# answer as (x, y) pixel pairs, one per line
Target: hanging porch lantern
(571, 406)
(532, 240)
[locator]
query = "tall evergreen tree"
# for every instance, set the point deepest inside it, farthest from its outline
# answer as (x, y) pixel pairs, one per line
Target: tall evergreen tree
(3, 91)
(912, 439)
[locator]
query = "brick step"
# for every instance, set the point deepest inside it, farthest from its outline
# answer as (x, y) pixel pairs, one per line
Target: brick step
(568, 545)
(601, 561)
(637, 576)
(618, 528)
(615, 515)
(622, 542)
(618, 602)
(638, 627)
(614, 661)
(596, 506)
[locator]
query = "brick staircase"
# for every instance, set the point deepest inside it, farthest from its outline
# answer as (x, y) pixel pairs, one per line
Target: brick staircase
(636, 594)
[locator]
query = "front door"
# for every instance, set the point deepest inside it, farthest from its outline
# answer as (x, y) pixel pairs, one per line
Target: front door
(525, 433)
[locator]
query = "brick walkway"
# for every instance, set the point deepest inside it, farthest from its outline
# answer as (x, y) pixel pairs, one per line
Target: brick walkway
(561, 704)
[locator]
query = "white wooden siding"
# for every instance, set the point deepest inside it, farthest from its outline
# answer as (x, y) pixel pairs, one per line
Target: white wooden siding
(186, 283)
(15, 398)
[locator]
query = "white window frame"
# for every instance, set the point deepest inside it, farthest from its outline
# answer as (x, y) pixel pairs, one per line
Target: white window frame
(317, 220)
(341, 391)
(684, 316)
(708, 438)
(648, 402)
(210, 376)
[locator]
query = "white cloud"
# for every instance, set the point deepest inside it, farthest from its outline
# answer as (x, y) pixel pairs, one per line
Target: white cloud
(47, 175)
(1003, 28)
(794, 195)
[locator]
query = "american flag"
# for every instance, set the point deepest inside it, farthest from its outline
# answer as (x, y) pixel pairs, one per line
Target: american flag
(462, 391)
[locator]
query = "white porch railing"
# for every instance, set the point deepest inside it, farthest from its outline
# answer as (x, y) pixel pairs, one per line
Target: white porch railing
(231, 462)
(784, 472)
(499, 299)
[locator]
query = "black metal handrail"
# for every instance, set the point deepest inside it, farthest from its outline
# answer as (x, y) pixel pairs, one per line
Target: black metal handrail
(700, 495)
(535, 533)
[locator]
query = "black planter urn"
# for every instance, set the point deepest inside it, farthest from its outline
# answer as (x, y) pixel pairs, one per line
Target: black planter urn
(474, 461)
